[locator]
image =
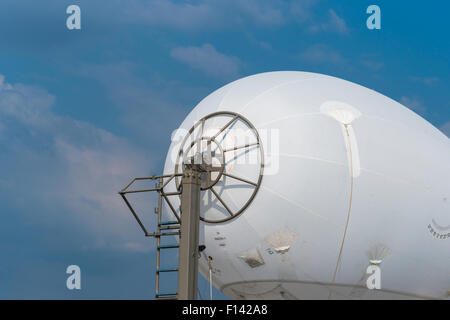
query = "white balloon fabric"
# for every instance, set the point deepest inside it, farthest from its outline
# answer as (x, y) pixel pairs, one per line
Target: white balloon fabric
(351, 179)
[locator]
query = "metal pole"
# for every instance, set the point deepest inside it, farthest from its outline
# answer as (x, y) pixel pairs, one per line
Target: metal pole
(190, 220)
(210, 277)
(158, 239)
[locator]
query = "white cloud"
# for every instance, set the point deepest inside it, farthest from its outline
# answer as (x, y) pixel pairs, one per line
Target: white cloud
(266, 13)
(208, 60)
(206, 14)
(64, 172)
(429, 81)
(141, 100)
(334, 24)
(30, 105)
(301, 10)
(321, 53)
(414, 104)
(372, 65)
(168, 13)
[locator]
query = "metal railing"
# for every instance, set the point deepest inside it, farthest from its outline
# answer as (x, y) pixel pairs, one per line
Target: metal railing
(164, 228)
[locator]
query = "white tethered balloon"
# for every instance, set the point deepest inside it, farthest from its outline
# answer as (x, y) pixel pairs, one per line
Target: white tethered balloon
(317, 179)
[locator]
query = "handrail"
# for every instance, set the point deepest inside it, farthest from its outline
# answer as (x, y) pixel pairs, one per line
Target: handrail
(154, 177)
(160, 190)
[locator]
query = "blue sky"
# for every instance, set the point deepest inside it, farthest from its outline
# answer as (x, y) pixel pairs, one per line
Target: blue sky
(83, 111)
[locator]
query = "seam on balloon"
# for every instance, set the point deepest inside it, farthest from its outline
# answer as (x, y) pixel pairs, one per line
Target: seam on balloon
(349, 209)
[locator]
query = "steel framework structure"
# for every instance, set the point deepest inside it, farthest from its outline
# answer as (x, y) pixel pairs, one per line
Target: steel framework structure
(195, 173)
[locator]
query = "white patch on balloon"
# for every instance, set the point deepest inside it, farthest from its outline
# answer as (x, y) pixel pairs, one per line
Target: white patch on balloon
(346, 114)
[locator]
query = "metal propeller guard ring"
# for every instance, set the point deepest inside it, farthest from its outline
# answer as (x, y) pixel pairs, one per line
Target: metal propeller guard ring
(222, 172)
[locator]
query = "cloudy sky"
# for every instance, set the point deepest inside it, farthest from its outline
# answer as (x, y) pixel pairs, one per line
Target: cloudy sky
(83, 111)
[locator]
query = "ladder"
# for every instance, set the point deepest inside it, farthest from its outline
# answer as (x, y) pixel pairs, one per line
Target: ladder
(165, 228)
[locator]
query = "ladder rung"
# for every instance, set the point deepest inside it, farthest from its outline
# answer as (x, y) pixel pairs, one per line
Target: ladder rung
(168, 246)
(171, 227)
(163, 234)
(167, 270)
(167, 298)
(166, 295)
(176, 233)
(165, 223)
